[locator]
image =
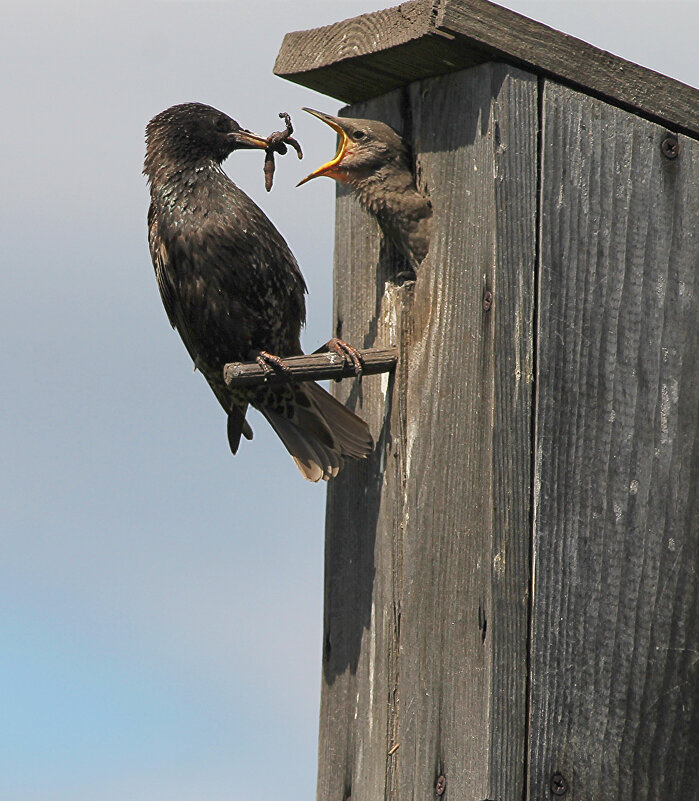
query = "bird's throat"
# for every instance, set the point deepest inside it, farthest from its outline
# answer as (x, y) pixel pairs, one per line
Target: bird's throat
(403, 213)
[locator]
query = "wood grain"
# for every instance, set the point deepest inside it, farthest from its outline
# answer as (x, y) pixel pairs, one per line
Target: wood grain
(467, 490)
(363, 574)
(615, 617)
(313, 58)
(509, 36)
(310, 367)
(375, 53)
(427, 551)
(391, 27)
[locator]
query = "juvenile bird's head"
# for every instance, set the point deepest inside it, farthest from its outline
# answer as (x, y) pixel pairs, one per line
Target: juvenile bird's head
(374, 161)
(192, 133)
(367, 149)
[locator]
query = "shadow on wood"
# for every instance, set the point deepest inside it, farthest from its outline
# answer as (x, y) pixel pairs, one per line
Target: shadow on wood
(412, 536)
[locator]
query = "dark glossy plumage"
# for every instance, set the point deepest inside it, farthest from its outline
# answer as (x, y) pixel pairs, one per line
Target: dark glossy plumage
(231, 286)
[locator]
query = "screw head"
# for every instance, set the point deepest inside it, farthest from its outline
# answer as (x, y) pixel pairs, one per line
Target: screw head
(670, 147)
(559, 786)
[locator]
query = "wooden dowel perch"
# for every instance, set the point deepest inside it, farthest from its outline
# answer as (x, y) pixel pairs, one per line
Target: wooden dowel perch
(313, 367)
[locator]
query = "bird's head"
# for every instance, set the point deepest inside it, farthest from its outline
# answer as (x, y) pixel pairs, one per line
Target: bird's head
(365, 149)
(190, 133)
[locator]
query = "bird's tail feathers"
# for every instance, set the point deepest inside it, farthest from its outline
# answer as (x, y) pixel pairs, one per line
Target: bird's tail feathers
(321, 433)
(237, 425)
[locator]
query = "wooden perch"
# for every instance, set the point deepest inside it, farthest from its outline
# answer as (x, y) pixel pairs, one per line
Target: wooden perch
(314, 367)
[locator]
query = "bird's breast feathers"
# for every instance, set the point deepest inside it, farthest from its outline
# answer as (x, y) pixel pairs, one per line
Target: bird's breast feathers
(224, 273)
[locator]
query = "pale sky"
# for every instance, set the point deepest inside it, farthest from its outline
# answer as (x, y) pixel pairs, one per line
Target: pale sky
(160, 600)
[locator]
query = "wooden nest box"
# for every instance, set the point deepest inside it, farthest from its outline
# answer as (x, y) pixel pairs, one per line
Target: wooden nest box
(511, 580)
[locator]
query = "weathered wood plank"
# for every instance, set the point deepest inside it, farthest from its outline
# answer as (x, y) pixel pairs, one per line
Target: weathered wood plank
(371, 54)
(427, 551)
(466, 492)
(310, 367)
(375, 53)
(514, 140)
(350, 39)
(615, 620)
(359, 702)
(506, 35)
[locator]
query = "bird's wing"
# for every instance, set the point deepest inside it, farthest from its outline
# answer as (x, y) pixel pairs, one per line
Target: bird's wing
(159, 256)
(262, 228)
(163, 275)
(260, 263)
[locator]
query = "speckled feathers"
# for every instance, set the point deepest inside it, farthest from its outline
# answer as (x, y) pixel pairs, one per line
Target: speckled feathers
(231, 286)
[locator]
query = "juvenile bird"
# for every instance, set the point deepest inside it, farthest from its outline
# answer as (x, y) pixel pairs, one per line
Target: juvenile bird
(232, 288)
(373, 160)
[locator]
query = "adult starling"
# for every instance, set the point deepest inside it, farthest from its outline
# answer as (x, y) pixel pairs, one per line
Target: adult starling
(374, 161)
(232, 288)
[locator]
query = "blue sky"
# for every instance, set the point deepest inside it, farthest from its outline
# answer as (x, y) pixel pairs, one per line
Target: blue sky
(161, 601)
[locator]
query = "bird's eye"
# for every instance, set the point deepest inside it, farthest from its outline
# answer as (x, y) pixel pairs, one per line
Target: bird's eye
(222, 124)
(358, 135)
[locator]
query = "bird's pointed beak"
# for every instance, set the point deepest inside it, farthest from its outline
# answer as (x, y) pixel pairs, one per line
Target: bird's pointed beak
(247, 140)
(330, 167)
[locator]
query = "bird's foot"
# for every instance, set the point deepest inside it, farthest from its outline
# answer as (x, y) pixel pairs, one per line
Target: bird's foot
(350, 355)
(271, 363)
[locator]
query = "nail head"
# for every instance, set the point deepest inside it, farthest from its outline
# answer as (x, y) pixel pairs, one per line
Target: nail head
(670, 147)
(559, 786)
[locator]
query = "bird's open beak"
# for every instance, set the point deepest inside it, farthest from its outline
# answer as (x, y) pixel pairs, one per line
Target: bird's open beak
(329, 168)
(247, 140)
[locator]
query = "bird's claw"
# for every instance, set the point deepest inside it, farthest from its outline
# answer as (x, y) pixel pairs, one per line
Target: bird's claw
(277, 143)
(349, 354)
(271, 363)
